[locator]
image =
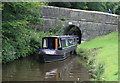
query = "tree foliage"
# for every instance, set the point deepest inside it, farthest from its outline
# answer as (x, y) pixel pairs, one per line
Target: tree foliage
(79, 5)
(19, 39)
(118, 9)
(96, 6)
(60, 4)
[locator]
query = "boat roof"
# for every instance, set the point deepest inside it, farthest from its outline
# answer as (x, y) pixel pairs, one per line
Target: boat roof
(64, 36)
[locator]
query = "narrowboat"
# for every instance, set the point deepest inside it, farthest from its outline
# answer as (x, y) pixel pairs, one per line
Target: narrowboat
(56, 48)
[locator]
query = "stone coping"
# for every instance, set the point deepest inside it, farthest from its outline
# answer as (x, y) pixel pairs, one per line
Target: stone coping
(78, 10)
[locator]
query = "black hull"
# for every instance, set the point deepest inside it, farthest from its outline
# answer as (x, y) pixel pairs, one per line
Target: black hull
(60, 54)
(51, 58)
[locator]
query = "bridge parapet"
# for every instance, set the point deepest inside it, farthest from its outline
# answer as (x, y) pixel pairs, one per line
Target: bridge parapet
(79, 15)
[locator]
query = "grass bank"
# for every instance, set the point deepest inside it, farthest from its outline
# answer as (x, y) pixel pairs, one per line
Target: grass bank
(102, 57)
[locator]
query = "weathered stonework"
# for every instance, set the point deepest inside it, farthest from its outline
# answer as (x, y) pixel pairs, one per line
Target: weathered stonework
(91, 23)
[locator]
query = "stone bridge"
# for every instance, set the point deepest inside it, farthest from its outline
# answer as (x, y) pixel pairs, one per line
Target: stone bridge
(88, 24)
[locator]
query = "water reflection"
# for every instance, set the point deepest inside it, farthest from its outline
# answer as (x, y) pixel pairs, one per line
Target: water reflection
(29, 69)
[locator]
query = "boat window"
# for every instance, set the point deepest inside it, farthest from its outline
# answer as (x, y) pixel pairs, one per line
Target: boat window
(45, 43)
(66, 42)
(59, 44)
(78, 40)
(63, 44)
(73, 41)
(70, 42)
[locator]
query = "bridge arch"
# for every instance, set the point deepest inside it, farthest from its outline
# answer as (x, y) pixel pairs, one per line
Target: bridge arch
(73, 30)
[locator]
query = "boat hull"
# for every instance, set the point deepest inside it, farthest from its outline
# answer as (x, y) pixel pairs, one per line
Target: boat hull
(59, 54)
(50, 58)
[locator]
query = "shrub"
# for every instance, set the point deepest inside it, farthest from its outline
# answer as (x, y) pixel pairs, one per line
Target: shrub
(57, 29)
(63, 18)
(19, 40)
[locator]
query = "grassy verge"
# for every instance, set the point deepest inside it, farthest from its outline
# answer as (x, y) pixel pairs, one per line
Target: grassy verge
(102, 57)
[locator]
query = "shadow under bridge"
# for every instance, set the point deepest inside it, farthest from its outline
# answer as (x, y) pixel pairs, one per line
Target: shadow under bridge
(73, 30)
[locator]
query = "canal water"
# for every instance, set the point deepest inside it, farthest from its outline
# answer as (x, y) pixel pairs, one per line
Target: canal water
(30, 69)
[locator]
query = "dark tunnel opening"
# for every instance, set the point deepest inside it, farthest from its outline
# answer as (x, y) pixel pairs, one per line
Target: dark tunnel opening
(73, 30)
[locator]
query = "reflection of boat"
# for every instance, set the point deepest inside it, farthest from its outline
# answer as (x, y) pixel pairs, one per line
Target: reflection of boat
(58, 70)
(50, 73)
(57, 47)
